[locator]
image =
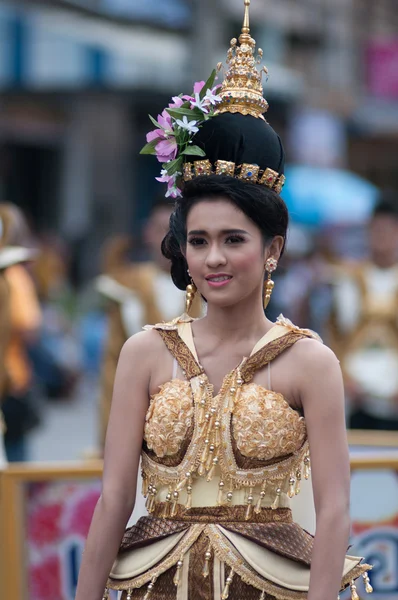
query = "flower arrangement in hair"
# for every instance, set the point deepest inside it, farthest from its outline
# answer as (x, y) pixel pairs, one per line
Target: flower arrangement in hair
(171, 141)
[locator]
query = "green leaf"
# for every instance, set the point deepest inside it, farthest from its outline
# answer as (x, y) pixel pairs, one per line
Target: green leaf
(155, 122)
(150, 147)
(177, 113)
(173, 166)
(209, 84)
(194, 114)
(194, 151)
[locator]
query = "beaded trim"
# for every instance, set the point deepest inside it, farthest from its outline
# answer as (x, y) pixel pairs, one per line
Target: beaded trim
(246, 172)
(227, 553)
(171, 559)
(210, 446)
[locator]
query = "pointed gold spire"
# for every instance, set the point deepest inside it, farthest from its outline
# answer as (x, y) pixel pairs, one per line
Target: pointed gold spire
(246, 20)
(242, 90)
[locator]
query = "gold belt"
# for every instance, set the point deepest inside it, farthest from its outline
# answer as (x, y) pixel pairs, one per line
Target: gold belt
(224, 514)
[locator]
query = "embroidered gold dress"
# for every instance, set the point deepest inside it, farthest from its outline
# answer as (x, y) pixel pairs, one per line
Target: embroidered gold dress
(218, 473)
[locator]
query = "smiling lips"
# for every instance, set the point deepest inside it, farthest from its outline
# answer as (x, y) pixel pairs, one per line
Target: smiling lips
(218, 279)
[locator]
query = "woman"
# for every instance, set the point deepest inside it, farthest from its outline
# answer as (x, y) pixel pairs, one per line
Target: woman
(222, 408)
(23, 322)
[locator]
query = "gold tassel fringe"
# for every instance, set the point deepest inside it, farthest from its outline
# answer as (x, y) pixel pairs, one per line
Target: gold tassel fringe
(206, 567)
(151, 585)
(275, 503)
(354, 595)
(177, 576)
(257, 509)
(368, 587)
(225, 594)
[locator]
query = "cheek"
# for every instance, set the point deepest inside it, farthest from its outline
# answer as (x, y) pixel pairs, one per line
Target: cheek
(248, 261)
(194, 259)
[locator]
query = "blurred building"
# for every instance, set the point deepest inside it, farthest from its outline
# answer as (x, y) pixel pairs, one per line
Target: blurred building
(78, 78)
(337, 58)
(374, 149)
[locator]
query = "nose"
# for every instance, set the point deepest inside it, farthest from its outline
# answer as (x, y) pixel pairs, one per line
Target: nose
(215, 256)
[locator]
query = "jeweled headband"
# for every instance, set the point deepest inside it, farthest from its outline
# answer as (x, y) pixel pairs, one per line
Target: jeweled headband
(221, 125)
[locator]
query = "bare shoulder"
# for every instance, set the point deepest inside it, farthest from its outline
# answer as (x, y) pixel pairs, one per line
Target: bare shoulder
(310, 357)
(144, 345)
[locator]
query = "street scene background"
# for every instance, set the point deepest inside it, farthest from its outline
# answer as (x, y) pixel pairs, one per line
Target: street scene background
(78, 79)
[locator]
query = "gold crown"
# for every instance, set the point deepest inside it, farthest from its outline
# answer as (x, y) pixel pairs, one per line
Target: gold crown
(242, 89)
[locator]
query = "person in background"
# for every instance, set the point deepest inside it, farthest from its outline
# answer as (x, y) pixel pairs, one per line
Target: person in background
(364, 324)
(4, 337)
(56, 354)
(138, 294)
(20, 414)
(295, 282)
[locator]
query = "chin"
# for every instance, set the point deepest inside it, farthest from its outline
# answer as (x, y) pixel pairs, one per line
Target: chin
(228, 301)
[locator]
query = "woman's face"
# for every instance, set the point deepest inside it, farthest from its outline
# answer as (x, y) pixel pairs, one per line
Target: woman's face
(225, 252)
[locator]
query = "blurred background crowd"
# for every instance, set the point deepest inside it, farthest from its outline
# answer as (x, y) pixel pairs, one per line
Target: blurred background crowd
(82, 217)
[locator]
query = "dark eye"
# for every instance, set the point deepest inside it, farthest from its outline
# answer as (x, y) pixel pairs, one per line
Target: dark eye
(196, 241)
(235, 239)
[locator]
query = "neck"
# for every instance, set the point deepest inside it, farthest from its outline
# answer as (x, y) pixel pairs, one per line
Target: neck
(243, 320)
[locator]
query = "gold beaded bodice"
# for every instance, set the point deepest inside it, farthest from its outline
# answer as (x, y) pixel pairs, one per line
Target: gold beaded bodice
(244, 438)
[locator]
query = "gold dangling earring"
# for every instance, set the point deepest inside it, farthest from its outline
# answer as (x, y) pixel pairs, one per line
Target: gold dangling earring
(189, 295)
(270, 266)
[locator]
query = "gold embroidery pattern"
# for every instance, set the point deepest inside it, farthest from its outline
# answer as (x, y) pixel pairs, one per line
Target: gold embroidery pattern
(225, 514)
(296, 543)
(181, 352)
(211, 445)
(269, 352)
(269, 474)
(243, 409)
(264, 425)
(172, 475)
(169, 418)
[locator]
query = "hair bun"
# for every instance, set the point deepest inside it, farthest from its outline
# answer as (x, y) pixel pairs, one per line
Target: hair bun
(241, 139)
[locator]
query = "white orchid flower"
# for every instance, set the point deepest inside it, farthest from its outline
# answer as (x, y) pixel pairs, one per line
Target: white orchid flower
(188, 125)
(201, 104)
(212, 98)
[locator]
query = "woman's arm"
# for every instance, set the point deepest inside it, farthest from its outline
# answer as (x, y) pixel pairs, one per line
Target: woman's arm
(322, 398)
(122, 454)
(25, 308)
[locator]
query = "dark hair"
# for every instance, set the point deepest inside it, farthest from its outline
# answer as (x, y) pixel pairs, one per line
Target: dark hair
(387, 205)
(259, 203)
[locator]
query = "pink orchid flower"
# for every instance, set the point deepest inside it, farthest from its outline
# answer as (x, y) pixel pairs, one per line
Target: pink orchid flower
(166, 150)
(155, 134)
(172, 190)
(198, 87)
(164, 121)
(177, 102)
(164, 177)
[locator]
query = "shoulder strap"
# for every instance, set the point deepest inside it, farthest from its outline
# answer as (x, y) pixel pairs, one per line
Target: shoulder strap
(281, 337)
(274, 333)
(179, 349)
(268, 353)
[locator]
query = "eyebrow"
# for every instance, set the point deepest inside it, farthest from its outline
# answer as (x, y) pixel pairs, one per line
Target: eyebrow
(224, 231)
